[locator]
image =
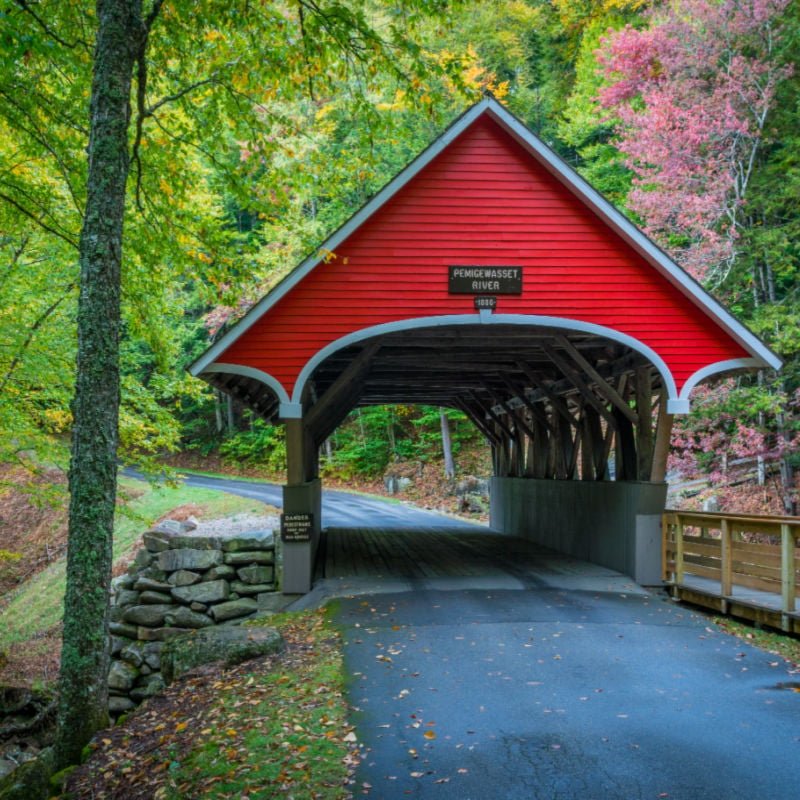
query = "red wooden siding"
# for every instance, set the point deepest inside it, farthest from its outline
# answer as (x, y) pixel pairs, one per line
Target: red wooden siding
(482, 201)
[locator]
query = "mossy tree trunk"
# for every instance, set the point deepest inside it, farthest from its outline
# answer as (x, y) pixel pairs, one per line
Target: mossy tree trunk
(93, 469)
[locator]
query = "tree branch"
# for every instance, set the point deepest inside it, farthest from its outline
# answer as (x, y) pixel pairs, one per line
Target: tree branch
(16, 255)
(64, 237)
(23, 4)
(171, 98)
(142, 110)
(141, 88)
(150, 19)
(39, 137)
(12, 90)
(141, 93)
(302, 16)
(40, 320)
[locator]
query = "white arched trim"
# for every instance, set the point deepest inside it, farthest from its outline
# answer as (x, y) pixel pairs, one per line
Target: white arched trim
(714, 369)
(531, 320)
(251, 372)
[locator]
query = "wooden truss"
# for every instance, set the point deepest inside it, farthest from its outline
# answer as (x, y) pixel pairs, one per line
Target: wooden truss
(552, 405)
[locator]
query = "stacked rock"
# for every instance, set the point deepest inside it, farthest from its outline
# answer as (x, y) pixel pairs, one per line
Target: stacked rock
(177, 584)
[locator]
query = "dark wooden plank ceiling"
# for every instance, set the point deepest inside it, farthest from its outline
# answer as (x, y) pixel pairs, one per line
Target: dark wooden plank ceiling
(494, 368)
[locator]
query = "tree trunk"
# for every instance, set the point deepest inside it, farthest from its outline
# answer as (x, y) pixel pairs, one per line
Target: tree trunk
(787, 471)
(447, 445)
(218, 409)
(361, 428)
(390, 435)
(762, 424)
(83, 692)
(231, 419)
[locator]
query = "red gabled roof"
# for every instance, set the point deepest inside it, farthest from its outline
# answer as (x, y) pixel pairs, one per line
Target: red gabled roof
(489, 193)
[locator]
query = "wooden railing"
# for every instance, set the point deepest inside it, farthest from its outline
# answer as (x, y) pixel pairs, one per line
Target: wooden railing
(743, 551)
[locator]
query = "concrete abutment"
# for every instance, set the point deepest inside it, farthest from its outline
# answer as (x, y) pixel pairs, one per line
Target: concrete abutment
(616, 524)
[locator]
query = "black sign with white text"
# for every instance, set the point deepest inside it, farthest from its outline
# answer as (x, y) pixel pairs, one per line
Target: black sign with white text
(485, 280)
(296, 527)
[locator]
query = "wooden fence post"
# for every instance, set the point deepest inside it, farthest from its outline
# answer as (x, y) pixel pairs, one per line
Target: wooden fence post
(726, 564)
(787, 569)
(678, 550)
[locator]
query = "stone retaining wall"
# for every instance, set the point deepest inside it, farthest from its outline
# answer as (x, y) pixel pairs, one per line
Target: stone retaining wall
(179, 583)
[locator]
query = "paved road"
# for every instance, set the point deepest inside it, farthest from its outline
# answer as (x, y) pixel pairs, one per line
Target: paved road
(563, 695)
(339, 509)
(571, 685)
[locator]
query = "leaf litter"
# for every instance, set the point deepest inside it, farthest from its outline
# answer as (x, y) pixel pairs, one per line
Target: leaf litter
(272, 726)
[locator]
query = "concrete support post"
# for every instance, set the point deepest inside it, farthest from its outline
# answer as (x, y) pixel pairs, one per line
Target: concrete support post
(301, 495)
(298, 557)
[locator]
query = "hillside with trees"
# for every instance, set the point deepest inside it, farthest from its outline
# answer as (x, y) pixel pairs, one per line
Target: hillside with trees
(681, 114)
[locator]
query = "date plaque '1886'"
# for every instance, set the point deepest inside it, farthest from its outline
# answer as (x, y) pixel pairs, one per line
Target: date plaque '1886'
(296, 527)
(484, 280)
(484, 302)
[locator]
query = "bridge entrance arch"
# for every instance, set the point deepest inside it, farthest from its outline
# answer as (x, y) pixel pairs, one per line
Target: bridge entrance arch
(488, 276)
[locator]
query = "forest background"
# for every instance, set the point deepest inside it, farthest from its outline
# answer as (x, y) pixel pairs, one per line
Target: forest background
(684, 114)
(231, 138)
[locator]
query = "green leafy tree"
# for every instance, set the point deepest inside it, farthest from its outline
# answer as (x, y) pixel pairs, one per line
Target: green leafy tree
(172, 86)
(589, 130)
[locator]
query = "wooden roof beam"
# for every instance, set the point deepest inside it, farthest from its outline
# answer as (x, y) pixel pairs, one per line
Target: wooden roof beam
(476, 420)
(574, 377)
(558, 403)
(602, 386)
(512, 414)
(343, 385)
(540, 415)
(494, 417)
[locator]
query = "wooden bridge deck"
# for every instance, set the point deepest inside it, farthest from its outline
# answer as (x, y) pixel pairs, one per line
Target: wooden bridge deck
(455, 556)
(421, 553)
(745, 565)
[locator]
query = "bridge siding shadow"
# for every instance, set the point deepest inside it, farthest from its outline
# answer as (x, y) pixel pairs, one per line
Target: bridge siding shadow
(428, 553)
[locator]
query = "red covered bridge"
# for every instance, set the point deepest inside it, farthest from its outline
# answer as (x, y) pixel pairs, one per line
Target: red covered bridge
(488, 276)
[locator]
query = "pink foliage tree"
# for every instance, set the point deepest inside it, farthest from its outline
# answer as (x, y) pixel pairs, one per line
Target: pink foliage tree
(721, 434)
(693, 92)
(724, 442)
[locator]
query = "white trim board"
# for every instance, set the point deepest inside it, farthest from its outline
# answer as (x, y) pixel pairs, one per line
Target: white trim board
(330, 244)
(714, 369)
(634, 237)
(493, 319)
(761, 354)
(250, 372)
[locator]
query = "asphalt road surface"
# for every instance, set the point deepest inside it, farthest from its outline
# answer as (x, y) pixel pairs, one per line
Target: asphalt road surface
(574, 685)
(548, 694)
(339, 509)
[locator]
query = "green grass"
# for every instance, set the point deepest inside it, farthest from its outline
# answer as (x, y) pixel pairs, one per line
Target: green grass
(775, 642)
(37, 605)
(225, 475)
(283, 729)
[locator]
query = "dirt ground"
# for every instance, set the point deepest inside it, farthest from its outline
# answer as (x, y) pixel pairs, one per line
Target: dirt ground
(33, 525)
